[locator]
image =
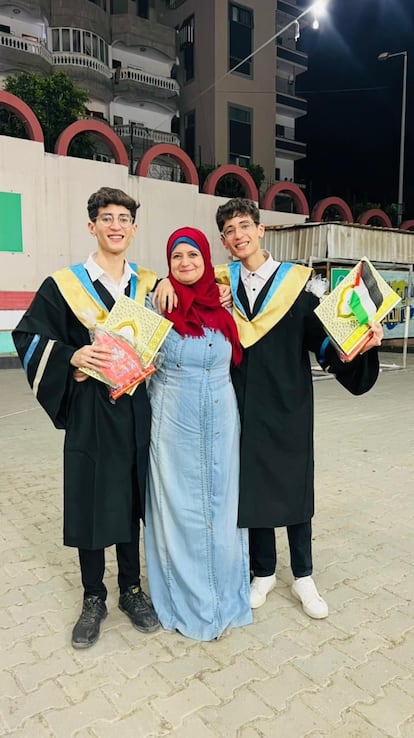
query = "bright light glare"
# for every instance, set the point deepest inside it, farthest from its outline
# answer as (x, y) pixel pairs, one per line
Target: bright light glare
(315, 24)
(319, 7)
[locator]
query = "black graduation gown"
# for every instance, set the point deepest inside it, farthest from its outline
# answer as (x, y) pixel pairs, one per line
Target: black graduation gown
(106, 444)
(275, 396)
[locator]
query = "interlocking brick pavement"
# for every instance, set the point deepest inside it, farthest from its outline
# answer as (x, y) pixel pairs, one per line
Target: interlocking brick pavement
(351, 676)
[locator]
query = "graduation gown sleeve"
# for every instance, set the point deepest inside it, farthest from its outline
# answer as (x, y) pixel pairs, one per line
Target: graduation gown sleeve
(45, 341)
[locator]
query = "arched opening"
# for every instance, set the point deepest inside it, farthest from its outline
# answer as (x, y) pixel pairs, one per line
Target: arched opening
(336, 204)
(292, 190)
(101, 130)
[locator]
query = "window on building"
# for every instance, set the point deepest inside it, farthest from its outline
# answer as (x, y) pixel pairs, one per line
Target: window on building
(4, 29)
(87, 44)
(79, 41)
(99, 3)
(55, 40)
(76, 40)
(143, 8)
(65, 39)
(240, 38)
(277, 174)
(95, 114)
(119, 6)
(280, 130)
(186, 46)
(189, 134)
(240, 135)
(118, 120)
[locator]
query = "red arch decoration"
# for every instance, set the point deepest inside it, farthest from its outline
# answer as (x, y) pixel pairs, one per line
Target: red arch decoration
(239, 173)
(299, 199)
(187, 166)
(327, 202)
(24, 113)
(100, 129)
(385, 221)
(407, 225)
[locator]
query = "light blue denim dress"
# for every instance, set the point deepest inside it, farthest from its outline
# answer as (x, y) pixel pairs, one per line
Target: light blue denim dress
(197, 558)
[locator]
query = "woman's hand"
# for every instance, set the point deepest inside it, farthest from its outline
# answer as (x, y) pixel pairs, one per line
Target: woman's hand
(164, 297)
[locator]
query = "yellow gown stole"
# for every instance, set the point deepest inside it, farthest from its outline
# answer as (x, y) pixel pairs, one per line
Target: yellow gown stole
(288, 282)
(77, 289)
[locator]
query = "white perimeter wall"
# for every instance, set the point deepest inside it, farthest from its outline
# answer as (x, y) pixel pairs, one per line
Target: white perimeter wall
(55, 190)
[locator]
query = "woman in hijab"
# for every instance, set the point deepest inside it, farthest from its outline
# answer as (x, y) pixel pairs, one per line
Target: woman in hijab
(197, 558)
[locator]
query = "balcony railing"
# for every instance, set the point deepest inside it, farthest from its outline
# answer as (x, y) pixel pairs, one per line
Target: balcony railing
(58, 58)
(286, 86)
(294, 104)
(147, 134)
(145, 78)
(288, 8)
(175, 3)
(28, 46)
(75, 59)
(291, 56)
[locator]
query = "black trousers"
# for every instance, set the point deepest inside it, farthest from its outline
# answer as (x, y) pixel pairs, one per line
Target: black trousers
(92, 564)
(263, 556)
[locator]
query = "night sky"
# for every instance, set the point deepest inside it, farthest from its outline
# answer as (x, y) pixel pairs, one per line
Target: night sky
(354, 103)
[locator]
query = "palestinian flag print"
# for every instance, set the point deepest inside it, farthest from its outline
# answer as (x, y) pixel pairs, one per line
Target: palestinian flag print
(366, 297)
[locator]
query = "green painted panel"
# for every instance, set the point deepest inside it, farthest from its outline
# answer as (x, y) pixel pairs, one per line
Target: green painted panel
(11, 221)
(6, 343)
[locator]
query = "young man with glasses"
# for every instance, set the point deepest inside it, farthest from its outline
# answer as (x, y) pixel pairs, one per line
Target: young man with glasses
(106, 443)
(273, 306)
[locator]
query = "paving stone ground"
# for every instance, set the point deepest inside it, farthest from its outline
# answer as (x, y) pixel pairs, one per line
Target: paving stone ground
(285, 676)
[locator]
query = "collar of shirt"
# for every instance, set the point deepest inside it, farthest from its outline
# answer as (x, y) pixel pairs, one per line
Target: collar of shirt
(96, 272)
(254, 281)
(262, 273)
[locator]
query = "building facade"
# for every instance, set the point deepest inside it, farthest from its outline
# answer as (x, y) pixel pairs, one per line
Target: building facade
(160, 71)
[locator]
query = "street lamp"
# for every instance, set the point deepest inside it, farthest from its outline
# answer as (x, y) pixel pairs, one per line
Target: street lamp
(384, 56)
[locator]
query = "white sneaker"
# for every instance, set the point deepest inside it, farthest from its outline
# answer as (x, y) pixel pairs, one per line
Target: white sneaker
(304, 589)
(260, 588)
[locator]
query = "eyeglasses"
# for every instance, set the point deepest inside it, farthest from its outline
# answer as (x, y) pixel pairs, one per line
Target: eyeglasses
(243, 226)
(107, 219)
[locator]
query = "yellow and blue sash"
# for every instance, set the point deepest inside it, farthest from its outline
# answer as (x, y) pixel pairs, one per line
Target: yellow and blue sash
(288, 282)
(86, 304)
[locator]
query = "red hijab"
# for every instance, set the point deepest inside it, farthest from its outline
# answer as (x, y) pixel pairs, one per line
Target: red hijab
(199, 304)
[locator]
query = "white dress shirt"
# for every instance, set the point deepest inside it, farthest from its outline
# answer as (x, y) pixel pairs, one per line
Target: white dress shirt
(255, 281)
(96, 272)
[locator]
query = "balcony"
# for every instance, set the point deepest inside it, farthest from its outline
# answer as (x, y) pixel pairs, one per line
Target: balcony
(286, 145)
(287, 57)
(287, 102)
(289, 8)
(288, 149)
(147, 136)
(19, 54)
(130, 80)
(46, 58)
(81, 61)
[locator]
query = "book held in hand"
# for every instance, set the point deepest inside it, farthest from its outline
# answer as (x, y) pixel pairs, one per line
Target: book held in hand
(134, 334)
(361, 298)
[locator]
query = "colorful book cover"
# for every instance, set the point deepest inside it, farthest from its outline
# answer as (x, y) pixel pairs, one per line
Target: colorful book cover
(134, 334)
(362, 297)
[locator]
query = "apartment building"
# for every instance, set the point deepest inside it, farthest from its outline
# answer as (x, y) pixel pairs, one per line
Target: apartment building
(161, 71)
(238, 117)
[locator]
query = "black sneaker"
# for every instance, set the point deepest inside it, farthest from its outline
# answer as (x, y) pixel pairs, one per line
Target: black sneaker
(86, 631)
(138, 606)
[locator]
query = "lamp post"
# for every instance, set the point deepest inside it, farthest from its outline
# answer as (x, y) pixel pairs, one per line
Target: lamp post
(384, 56)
